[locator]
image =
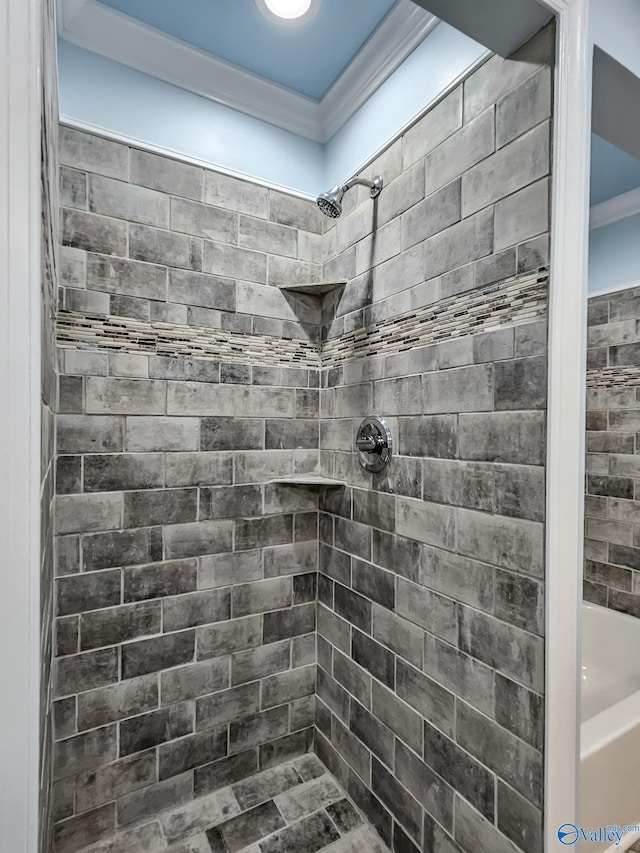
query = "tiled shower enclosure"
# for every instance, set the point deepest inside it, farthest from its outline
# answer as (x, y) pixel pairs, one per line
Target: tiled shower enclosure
(216, 620)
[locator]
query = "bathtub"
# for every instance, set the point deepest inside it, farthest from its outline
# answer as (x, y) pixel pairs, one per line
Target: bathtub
(610, 726)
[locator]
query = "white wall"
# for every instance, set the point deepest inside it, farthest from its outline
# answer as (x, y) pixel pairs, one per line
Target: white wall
(614, 255)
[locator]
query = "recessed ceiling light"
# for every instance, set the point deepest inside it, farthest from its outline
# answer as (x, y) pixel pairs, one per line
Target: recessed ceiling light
(289, 12)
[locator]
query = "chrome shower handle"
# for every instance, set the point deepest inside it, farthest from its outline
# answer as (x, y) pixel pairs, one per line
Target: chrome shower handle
(371, 443)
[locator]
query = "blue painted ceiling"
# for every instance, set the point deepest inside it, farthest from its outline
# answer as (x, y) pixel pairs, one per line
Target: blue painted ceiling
(613, 171)
(307, 59)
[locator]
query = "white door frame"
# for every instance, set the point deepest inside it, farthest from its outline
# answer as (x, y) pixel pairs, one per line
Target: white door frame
(566, 414)
(20, 248)
(20, 277)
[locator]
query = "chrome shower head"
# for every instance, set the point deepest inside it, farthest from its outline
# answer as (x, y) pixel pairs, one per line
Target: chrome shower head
(331, 203)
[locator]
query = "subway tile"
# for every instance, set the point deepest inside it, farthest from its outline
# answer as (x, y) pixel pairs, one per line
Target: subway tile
(82, 830)
(461, 151)
(84, 751)
(374, 658)
(227, 637)
(292, 622)
(523, 215)
(460, 770)
(258, 729)
(513, 760)
(157, 653)
(261, 596)
(510, 543)
(457, 577)
(115, 702)
(203, 220)
(224, 772)
(196, 289)
(198, 538)
(519, 163)
(474, 832)
(121, 548)
(167, 506)
(401, 636)
(166, 175)
(426, 522)
(439, 123)
(192, 751)
(198, 469)
(86, 671)
(401, 804)
(159, 580)
(164, 247)
(287, 686)
(196, 608)
(194, 680)
(98, 786)
(219, 570)
(125, 396)
(148, 730)
(459, 244)
(258, 663)
(118, 624)
(154, 799)
(128, 201)
(492, 642)
(126, 277)
(147, 434)
(93, 233)
(77, 594)
(459, 673)
(428, 788)
(465, 389)
(519, 819)
(235, 263)
(93, 153)
(512, 437)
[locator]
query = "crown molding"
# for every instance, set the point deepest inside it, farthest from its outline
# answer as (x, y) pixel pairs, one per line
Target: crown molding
(620, 207)
(404, 28)
(109, 33)
(66, 11)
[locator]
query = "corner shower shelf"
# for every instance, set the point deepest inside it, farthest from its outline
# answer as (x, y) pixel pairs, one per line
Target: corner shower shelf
(315, 288)
(308, 480)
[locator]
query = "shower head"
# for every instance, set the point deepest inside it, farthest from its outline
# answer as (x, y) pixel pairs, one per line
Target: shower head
(331, 203)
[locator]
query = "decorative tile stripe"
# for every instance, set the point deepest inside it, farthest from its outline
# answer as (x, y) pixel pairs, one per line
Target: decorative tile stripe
(513, 301)
(124, 334)
(614, 377)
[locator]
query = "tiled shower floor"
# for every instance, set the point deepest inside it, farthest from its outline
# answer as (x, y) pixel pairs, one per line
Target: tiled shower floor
(297, 807)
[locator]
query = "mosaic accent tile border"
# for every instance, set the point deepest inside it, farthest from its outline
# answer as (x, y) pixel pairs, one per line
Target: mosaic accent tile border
(614, 377)
(511, 302)
(124, 334)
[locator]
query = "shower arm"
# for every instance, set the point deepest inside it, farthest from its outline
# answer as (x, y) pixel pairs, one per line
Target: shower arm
(375, 185)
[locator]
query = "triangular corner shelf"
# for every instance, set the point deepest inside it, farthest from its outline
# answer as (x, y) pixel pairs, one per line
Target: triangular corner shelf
(308, 480)
(314, 288)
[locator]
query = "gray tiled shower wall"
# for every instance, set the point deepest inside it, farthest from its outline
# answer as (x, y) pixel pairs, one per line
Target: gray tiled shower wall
(187, 584)
(186, 590)
(431, 584)
(49, 130)
(612, 506)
